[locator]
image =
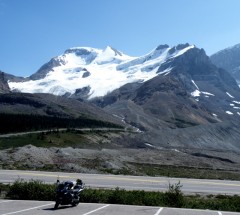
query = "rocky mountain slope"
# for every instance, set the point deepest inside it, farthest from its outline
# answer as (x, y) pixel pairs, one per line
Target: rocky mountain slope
(178, 163)
(4, 88)
(229, 59)
(194, 104)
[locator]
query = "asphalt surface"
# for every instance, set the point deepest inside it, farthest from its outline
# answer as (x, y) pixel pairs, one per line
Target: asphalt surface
(9, 207)
(128, 182)
(61, 129)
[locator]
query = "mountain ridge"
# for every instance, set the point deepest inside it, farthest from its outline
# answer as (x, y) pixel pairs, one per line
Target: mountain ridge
(228, 59)
(106, 69)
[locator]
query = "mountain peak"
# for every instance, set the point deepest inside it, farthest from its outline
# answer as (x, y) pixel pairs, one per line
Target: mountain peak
(107, 69)
(178, 47)
(160, 47)
(116, 52)
(82, 50)
(229, 59)
(182, 46)
(230, 48)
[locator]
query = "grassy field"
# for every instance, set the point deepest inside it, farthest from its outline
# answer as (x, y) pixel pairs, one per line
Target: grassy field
(67, 138)
(186, 172)
(175, 172)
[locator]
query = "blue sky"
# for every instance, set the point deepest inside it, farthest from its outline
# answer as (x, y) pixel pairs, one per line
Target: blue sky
(34, 31)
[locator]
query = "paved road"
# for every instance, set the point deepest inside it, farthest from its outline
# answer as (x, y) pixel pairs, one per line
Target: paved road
(62, 129)
(9, 207)
(128, 182)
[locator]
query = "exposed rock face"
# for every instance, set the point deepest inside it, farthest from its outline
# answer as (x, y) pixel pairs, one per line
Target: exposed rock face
(82, 93)
(46, 68)
(229, 59)
(86, 74)
(9, 77)
(4, 88)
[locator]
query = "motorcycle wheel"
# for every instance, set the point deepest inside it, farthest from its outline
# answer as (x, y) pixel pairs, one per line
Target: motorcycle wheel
(56, 204)
(75, 204)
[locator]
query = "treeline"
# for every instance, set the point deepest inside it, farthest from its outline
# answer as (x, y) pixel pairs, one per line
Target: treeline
(10, 123)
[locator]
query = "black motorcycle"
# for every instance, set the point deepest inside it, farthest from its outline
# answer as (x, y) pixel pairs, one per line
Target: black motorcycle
(68, 193)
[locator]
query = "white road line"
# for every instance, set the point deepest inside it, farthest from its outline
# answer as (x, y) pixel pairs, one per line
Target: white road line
(159, 211)
(6, 201)
(95, 209)
(15, 212)
(219, 213)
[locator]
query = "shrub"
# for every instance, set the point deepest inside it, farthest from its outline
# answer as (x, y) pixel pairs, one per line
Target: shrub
(173, 197)
(32, 190)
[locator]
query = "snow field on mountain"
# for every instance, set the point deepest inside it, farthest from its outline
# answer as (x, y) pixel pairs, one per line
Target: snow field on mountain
(101, 71)
(197, 92)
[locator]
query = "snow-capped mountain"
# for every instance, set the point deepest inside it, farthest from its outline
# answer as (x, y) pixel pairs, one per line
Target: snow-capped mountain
(89, 72)
(175, 96)
(192, 104)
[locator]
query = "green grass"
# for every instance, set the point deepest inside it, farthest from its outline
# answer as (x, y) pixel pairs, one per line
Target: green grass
(185, 172)
(43, 140)
(174, 171)
(68, 138)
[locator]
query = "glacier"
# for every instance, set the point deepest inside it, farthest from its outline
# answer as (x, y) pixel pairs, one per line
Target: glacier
(100, 70)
